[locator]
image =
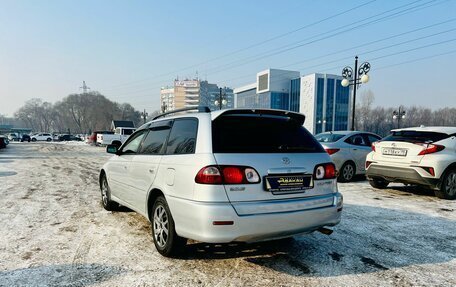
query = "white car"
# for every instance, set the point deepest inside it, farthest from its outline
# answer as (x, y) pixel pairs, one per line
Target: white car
(231, 175)
(423, 155)
(118, 138)
(41, 137)
(348, 150)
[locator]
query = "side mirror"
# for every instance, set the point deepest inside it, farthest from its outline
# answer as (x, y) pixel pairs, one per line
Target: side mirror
(111, 149)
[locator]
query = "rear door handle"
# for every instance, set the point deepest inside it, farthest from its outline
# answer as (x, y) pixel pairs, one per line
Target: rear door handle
(151, 170)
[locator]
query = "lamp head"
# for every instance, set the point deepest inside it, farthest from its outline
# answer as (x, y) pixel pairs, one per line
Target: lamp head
(345, 83)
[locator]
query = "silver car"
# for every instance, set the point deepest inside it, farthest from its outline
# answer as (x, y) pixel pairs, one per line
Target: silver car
(230, 175)
(348, 150)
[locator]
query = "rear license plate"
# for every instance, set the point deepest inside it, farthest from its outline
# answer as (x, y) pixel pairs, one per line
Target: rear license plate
(394, 151)
(288, 183)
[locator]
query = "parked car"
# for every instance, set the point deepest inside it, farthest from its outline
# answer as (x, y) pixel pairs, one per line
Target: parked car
(118, 138)
(3, 141)
(230, 175)
(422, 155)
(92, 139)
(69, 138)
(348, 150)
(13, 137)
(41, 137)
(25, 138)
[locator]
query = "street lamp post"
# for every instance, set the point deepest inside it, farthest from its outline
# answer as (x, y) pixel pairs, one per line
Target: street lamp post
(144, 115)
(163, 107)
(221, 101)
(360, 76)
(399, 114)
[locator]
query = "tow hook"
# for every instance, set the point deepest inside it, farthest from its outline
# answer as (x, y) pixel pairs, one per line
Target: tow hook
(325, 230)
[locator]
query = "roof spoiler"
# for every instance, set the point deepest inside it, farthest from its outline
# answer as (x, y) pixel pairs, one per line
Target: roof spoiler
(300, 118)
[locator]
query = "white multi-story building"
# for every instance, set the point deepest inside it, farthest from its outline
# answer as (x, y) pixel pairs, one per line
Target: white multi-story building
(167, 99)
(325, 102)
(320, 97)
(194, 93)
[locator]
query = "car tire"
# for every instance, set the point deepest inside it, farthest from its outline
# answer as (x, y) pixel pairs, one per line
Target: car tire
(34, 140)
(48, 139)
(347, 172)
(378, 183)
(166, 240)
(106, 201)
(447, 188)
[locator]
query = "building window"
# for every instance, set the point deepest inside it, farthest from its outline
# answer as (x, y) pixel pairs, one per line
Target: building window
(342, 107)
(295, 91)
(319, 108)
(279, 101)
(329, 104)
(263, 84)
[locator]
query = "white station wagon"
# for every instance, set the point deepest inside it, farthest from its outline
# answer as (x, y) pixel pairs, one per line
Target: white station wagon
(235, 175)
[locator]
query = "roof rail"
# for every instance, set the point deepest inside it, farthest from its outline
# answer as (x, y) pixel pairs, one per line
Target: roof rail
(200, 109)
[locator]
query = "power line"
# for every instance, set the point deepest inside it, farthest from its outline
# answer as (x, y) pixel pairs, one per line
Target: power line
(363, 45)
(287, 48)
(376, 21)
(386, 47)
(416, 60)
(253, 45)
(278, 51)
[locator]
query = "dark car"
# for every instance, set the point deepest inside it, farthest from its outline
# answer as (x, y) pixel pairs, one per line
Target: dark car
(25, 138)
(3, 142)
(69, 138)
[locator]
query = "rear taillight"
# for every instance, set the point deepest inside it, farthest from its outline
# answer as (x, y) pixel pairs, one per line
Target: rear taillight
(373, 146)
(225, 174)
(431, 148)
(325, 171)
(233, 175)
(331, 151)
(209, 175)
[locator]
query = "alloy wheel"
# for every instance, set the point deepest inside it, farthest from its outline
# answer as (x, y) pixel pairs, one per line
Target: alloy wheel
(450, 184)
(348, 172)
(161, 226)
(104, 192)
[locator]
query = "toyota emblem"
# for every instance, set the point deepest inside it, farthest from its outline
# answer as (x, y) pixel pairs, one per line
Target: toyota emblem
(286, 160)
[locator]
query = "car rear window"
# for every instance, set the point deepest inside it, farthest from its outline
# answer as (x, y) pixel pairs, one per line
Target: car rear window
(328, 137)
(261, 134)
(416, 136)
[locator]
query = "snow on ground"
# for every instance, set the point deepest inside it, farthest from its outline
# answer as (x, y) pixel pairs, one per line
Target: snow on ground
(54, 232)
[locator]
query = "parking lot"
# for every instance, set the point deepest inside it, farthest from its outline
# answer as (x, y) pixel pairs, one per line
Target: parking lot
(54, 232)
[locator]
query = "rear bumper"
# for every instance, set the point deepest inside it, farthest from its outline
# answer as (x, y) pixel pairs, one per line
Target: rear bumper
(400, 174)
(194, 220)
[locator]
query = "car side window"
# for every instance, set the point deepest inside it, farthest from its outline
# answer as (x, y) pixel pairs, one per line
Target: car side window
(127, 132)
(356, 140)
(134, 143)
(372, 138)
(154, 143)
(182, 139)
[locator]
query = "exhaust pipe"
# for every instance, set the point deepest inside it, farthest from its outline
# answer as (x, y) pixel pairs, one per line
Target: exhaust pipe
(325, 231)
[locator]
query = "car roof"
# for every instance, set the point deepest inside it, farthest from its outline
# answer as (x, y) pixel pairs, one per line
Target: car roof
(215, 114)
(445, 130)
(348, 133)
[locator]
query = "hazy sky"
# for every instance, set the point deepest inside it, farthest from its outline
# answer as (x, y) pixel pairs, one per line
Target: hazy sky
(127, 50)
